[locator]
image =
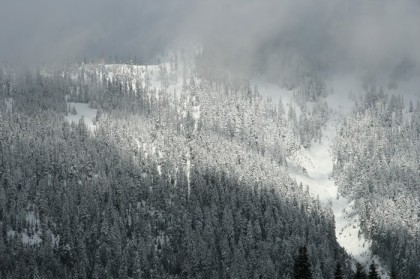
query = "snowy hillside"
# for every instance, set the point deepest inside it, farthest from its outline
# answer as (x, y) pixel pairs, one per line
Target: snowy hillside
(182, 172)
(313, 167)
(183, 155)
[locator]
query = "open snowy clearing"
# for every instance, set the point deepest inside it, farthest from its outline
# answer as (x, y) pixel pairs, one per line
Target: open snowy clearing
(82, 110)
(9, 104)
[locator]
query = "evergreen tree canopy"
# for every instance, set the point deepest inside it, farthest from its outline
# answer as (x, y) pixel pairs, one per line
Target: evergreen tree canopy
(338, 272)
(360, 272)
(373, 274)
(302, 267)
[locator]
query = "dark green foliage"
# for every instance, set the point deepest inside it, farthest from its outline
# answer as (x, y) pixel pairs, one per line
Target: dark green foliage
(360, 272)
(393, 274)
(373, 274)
(302, 267)
(338, 272)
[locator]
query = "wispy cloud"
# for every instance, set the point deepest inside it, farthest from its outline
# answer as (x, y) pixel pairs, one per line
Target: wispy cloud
(258, 34)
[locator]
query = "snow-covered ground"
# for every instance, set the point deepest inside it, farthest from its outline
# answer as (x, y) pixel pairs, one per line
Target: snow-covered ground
(31, 235)
(9, 104)
(82, 109)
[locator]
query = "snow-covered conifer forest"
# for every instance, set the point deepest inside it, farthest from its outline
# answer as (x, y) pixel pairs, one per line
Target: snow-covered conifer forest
(215, 143)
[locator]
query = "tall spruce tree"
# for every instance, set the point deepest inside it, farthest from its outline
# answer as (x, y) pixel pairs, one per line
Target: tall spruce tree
(393, 274)
(360, 273)
(338, 272)
(373, 274)
(302, 268)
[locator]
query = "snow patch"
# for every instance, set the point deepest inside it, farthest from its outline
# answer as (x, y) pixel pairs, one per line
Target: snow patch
(189, 172)
(313, 168)
(82, 110)
(31, 239)
(9, 104)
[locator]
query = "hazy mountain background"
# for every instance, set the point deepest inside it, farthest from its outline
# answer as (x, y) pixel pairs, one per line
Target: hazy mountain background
(264, 36)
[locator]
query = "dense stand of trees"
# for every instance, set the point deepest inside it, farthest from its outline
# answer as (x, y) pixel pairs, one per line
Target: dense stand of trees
(186, 184)
(377, 165)
(190, 181)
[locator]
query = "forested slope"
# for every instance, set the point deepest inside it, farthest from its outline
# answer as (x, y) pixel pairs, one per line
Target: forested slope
(166, 184)
(377, 165)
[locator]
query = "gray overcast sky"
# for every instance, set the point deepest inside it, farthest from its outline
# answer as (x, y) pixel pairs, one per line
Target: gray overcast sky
(52, 30)
(322, 33)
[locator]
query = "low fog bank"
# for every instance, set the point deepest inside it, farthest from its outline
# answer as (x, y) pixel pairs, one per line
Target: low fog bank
(288, 39)
(278, 39)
